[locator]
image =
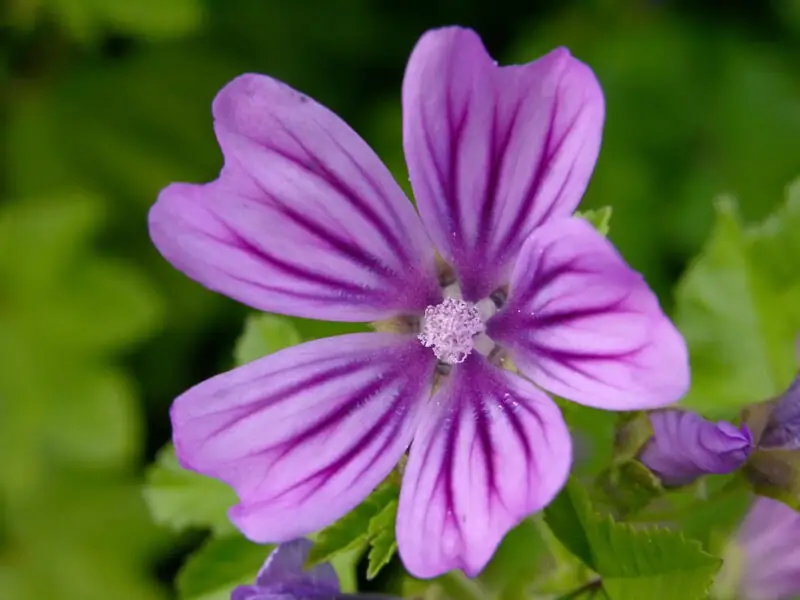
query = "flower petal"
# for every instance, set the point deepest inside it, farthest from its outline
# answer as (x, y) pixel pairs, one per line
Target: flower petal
(583, 325)
(491, 449)
(285, 570)
(769, 537)
(305, 434)
(304, 220)
(494, 152)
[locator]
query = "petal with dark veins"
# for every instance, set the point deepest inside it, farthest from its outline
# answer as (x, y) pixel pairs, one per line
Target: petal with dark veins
(305, 434)
(493, 152)
(491, 449)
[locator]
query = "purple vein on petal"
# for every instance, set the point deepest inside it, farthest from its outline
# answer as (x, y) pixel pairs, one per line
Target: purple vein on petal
(389, 235)
(542, 319)
(535, 182)
(309, 430)
(391, 418)
(451, 180)
(318, 169)
(497, 154)
(493, 449)
(290, 268)
(348, 248)
(336, 372)
(580, 323)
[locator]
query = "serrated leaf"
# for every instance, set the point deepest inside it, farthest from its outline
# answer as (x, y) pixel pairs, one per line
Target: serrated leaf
(180, 499)
(264, 334)
(599, 217)
(382, 540)
(738, 307)
(219, 566)
(633, 563)
(352, 531)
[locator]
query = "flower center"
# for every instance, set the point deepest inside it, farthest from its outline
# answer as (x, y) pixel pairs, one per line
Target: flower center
(449, 328)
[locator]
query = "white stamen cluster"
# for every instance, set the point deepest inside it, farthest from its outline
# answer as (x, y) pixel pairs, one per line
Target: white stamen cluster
(449, 328)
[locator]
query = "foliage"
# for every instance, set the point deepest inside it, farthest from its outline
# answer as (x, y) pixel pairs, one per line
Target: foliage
(631, 563)
(737, 305)
(105, 102)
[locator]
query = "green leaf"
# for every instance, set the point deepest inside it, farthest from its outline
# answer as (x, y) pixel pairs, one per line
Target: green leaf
(153, 18)
(264, 334)
(79, 537)
(352, 531)
(521, 559)
(219, 566)
(633, 563)
(383, 543)
(711, 513)
(738, 307)
(600, 218)
(64, 296)
(628, 487)
(101, 401)
(87, 20)
(594, 431)
(180, 499)
(570, 519)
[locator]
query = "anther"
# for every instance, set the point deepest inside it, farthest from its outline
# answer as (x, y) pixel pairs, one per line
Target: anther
(449, 328)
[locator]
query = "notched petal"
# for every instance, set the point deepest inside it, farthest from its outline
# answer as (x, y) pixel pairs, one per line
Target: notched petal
(491, 449)
(585, 326)
(493, 152)
(305, 434)
(304, 207)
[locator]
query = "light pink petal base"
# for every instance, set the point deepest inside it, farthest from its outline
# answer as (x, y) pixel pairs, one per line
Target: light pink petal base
(491, 449)
(305, 434)
(582, 324)
(495, 151)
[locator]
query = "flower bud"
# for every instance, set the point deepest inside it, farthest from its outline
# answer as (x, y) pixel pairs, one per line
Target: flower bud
(685, 446)
(283, 577)
(782, 429)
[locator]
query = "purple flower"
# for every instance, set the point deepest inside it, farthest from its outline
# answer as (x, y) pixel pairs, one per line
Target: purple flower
(283, 578)
(768, 539)
(782, 429)
(685, 446)
(305, 220)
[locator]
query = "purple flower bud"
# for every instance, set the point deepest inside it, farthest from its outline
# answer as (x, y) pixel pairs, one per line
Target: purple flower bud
(768, 540)
(783, 425)
(685, 446)
(283, 578)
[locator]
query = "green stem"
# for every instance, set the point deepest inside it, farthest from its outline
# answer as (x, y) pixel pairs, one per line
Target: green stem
(458, 586)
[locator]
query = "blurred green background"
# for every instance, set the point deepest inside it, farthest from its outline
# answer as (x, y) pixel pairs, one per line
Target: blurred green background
(104, 102)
